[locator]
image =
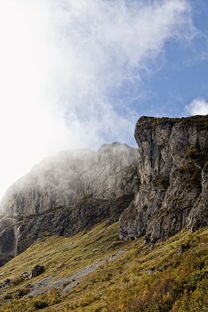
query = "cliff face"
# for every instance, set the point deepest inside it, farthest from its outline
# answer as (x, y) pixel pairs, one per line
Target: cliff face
(173, 166)
(68, 193)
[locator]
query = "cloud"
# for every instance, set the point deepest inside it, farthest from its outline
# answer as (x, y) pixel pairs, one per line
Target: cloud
(198, 106)
(102, 45)
(62, 63)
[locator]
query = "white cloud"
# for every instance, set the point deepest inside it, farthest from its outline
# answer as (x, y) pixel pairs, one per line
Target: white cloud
(198, 106)
(60, 63)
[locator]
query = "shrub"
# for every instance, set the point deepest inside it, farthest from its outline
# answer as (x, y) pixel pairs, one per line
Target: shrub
(40, 304)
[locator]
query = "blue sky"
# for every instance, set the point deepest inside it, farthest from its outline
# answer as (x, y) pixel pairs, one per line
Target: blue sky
(182, 75)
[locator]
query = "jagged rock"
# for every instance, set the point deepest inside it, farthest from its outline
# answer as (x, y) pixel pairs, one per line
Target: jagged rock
(173, 155)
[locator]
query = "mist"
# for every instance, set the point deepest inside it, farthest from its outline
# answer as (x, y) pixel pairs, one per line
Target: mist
(63, 64)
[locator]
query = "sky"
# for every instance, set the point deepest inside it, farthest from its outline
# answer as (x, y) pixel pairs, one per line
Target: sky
(77, 73)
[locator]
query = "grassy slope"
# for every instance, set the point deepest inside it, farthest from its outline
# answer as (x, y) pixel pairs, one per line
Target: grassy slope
(144, 279)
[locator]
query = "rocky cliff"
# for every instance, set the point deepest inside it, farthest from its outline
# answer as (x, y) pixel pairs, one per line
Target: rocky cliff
(173, 166)
(67, 193)
(157, 190)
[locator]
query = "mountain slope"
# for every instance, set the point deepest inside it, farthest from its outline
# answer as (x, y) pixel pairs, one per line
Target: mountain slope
(94, 271)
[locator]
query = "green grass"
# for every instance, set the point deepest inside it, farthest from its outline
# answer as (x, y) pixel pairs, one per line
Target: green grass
(144, 279)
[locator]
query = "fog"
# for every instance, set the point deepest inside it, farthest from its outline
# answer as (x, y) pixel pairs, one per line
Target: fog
(62, 63)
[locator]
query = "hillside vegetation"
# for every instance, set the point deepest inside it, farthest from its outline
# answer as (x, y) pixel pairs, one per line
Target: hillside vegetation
(94, 271)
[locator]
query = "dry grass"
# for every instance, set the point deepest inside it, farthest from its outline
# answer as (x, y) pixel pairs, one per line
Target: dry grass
(144, 279)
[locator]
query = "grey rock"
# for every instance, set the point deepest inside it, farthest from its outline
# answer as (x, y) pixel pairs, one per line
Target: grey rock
(71, 281)
(173, 155)
(36, 271)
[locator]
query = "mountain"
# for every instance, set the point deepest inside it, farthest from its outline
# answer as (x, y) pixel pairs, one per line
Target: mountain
(66, 194)
(85, 228)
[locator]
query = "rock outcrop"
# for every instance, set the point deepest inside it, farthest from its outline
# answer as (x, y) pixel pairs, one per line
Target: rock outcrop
(68, 193)
(173, 166)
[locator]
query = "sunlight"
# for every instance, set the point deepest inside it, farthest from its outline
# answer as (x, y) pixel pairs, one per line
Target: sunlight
(28, 128)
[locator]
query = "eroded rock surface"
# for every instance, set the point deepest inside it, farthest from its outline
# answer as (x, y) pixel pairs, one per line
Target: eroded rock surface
(173, 166)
